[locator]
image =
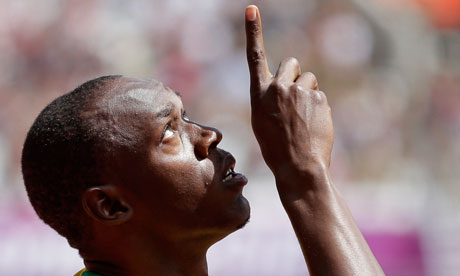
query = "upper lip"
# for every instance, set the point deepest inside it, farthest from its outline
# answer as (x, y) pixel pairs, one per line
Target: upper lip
(229, 163)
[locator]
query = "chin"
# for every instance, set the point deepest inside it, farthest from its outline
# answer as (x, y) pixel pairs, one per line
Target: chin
(243, 224)
(236, 217)
(231, 229)
(244, 212)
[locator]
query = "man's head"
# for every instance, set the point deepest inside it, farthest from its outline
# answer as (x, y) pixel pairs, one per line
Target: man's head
(120, 154)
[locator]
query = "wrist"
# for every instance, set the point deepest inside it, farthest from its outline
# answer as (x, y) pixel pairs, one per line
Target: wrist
(300, 167)
(309, 184)
(304, 174)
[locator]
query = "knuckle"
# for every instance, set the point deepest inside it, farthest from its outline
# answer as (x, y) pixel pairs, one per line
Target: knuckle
(291, 60)
(278, 85)
(310, 75)
(319, 96)
(256, 55)
(254, 29)
(295, 88)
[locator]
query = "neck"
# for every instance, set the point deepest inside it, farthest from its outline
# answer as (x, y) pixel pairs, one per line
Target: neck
(136, 257)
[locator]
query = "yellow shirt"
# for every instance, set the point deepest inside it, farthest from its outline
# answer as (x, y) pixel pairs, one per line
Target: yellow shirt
(84, 272)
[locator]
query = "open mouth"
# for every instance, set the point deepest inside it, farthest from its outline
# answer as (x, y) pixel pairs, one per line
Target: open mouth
(230, 177)
(229, 174)
(229, 164)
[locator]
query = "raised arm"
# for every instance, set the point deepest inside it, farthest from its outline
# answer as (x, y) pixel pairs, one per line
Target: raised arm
(292, 122)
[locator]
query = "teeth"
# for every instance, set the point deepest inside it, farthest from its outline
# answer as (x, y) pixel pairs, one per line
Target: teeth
(229, 174)
(230, 171)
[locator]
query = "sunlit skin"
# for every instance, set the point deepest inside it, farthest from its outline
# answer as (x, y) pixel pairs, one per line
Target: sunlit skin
(169, 198)
(172, 199)
(292, 122)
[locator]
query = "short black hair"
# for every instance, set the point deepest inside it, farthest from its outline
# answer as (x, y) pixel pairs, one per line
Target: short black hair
(61, 158)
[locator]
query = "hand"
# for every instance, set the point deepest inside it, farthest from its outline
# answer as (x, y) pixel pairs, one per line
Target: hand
(291, 119)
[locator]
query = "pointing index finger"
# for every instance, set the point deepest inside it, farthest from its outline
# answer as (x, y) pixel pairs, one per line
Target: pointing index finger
(257, 62)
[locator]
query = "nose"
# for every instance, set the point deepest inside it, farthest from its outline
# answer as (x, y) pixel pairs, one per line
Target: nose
(206, 138)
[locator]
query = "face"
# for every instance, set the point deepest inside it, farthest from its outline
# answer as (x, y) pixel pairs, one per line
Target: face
(175, 178)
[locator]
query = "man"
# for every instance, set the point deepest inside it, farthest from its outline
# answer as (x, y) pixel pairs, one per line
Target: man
(138, 188)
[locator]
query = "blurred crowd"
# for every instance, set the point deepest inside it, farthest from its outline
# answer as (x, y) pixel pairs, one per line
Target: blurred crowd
(390, 70)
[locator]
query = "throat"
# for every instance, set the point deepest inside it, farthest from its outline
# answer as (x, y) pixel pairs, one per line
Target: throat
(123, 259)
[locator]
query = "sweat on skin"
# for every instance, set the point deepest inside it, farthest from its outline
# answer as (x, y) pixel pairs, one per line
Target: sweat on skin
(166, 192)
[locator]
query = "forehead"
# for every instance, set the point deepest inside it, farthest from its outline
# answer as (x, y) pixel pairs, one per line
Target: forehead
(140, 95)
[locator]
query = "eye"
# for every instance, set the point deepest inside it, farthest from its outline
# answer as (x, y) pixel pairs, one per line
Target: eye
(168, 133)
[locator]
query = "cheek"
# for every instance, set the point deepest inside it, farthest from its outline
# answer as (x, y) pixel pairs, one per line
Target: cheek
(182, 181)
(172, 147)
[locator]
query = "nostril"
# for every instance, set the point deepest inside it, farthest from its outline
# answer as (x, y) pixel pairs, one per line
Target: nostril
(208, 139)
(213, 145)
(200, 155)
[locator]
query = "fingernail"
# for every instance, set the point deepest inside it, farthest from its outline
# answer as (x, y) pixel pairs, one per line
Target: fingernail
(251, 12)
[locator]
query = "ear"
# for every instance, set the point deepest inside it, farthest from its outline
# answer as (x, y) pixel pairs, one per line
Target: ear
(106, 205)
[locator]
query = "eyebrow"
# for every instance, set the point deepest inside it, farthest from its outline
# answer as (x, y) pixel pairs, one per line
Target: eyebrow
(165, 112)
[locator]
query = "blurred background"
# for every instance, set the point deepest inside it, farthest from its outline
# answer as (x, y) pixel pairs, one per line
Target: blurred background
(390, 69)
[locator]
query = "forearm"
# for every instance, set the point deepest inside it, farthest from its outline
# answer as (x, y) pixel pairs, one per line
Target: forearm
(293, 124)
(331, 242)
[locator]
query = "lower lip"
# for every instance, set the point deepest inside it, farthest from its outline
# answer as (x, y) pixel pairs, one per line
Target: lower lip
(237, 182)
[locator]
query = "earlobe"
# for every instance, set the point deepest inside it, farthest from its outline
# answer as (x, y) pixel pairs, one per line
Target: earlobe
(106, 205)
